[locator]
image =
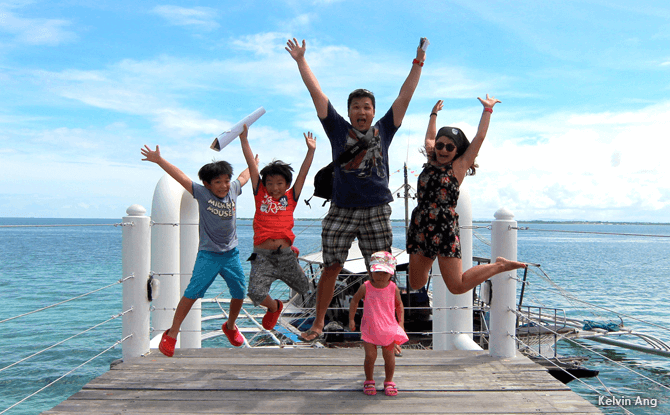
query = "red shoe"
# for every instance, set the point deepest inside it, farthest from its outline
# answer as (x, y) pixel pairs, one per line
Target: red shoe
(234, 336)
(166, 346)
(270, 319)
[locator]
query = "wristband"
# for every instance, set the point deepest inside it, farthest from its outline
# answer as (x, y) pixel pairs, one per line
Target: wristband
(489, 110)
(418, 62)
(432, 113)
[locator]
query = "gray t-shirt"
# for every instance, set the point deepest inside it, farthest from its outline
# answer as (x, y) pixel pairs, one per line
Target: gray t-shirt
(218, 217)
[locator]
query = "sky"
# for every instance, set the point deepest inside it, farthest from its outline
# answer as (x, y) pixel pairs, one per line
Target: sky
(582, 132)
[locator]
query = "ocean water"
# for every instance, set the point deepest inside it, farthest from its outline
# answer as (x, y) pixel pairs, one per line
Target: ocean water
(589, 274)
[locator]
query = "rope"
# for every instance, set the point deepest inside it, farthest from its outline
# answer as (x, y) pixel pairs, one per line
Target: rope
(597, 233)
(175, 224)
(60, 226)
(51, 383)
(593, 351)
(63, 341)
(170, 274)
(572, 298)
(481, 239)
(573, 376)
(63, 302)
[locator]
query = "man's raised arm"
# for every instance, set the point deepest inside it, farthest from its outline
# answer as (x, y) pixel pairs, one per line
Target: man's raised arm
(407, 90)
(320, 99)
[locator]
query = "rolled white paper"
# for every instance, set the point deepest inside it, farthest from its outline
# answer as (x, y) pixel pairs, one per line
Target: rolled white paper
(227, 136)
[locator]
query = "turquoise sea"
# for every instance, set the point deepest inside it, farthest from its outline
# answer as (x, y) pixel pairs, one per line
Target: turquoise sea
(620, 267)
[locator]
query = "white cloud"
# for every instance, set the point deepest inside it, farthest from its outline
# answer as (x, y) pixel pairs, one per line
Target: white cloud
(200, 17)
(35, 31)
(541, 164)
(266, 44)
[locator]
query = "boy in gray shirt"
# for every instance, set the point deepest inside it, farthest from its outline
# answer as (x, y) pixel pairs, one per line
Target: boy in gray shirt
(217, 252)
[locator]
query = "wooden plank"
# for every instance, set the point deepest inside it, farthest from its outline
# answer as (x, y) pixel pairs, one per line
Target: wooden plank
(323, 402)
(285, 381)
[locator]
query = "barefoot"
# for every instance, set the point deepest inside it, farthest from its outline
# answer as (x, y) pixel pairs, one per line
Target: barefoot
(509, 265)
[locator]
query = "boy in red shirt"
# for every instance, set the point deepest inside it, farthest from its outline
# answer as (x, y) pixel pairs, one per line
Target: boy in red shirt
(273, 258)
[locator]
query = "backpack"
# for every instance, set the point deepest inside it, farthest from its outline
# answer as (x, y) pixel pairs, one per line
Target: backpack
(323, 180)
(323, 184)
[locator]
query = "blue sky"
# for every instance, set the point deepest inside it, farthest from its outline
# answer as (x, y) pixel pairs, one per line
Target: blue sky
(582, 132)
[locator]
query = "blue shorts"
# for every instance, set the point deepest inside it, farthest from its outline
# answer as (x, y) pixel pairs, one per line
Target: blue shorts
(210, 264)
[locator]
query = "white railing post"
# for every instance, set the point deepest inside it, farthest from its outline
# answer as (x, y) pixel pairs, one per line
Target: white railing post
(189, 237)
(503, 302)
(135, 248)
(457, 321)
(165, 253)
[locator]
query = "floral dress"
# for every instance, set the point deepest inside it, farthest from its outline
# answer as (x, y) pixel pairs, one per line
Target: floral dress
(433, 229)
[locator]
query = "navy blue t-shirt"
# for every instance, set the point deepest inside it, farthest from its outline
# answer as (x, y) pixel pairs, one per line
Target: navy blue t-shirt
(363, 181)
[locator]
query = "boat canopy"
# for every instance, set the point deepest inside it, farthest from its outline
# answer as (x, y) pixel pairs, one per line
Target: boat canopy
(355, 264)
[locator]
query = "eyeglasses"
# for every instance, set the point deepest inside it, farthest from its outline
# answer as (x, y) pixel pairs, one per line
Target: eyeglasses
(441, 145)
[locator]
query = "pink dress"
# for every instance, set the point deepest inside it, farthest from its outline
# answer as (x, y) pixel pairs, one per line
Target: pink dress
(379, 325)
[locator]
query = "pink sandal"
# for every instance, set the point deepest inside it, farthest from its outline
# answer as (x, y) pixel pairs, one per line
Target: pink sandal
(369, 388)
(390, 389)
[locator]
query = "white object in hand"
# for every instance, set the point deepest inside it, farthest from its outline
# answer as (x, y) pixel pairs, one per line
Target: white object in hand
(424, 44)
(227, 136)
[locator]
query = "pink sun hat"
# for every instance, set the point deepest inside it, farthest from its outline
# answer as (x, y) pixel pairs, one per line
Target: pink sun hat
(382, 261)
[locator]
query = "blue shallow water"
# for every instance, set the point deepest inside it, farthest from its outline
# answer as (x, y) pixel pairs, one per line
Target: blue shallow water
(40, 266)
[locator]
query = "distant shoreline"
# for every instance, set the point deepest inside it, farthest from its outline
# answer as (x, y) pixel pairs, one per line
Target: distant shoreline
(551, 222)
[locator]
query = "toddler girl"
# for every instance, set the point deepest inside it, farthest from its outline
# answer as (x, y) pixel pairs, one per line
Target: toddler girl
(379, 326)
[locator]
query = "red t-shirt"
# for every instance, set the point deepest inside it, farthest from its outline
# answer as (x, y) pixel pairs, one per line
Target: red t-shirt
(273, 218)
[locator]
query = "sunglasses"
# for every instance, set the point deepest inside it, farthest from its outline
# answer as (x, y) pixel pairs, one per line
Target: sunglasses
(441, 145)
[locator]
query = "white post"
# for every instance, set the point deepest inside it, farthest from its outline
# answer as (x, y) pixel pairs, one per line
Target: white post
(503, 303)
(165, 253)
(458, 321)
(135, 248)
(191, 328)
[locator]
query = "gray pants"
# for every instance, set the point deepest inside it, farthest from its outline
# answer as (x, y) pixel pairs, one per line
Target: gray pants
(269, 265)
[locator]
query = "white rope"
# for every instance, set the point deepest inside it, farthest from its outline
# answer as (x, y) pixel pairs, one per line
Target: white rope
(60, 226)
(597, 233)
(63, 302)
(475, 227)
(481, 239)
(572, 298)
(169, 274)
(63, 341)
(573, 376)
(593, 351)
(51, 383)
(560, 290)
(174, 224)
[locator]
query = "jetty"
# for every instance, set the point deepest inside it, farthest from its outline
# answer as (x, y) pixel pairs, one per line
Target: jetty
(322, 381)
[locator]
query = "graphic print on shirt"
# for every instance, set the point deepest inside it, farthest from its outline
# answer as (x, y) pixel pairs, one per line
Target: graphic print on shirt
(269, 205)
(225, 211)
(366, 160)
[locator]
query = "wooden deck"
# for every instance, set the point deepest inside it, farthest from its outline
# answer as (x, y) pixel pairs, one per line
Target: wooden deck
(322, 381)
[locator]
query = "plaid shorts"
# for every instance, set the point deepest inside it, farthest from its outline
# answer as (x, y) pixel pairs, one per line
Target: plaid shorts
(371, 225)
(269, 265)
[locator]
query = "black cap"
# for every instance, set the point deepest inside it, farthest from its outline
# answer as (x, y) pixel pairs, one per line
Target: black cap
(457, 136)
